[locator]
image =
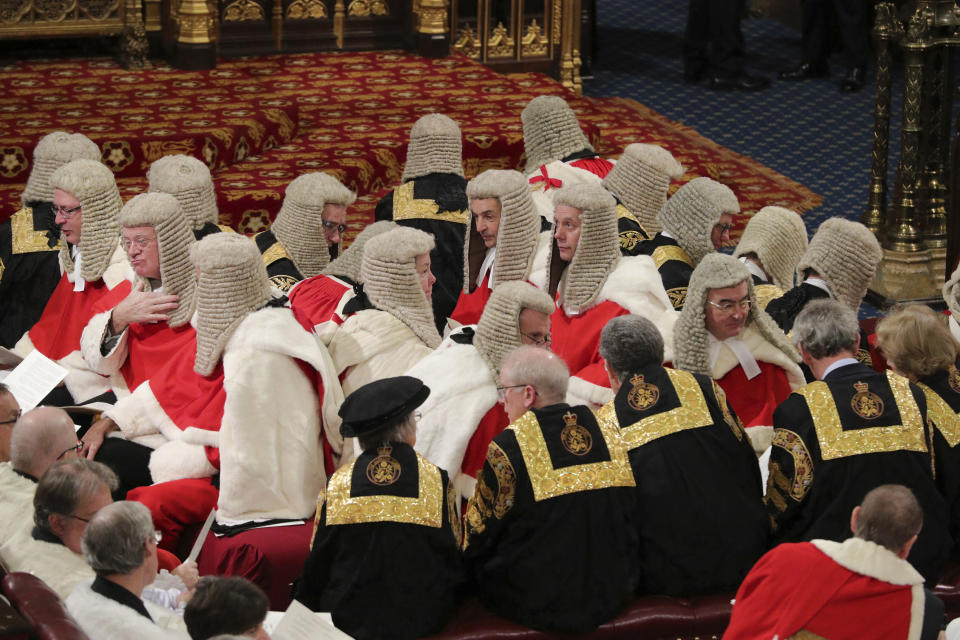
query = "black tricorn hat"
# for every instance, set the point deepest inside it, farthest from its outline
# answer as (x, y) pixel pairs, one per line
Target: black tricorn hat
(377, 404)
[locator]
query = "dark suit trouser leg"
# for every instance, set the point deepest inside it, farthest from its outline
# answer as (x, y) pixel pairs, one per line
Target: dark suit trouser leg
(727, 47)
(696, 36)
(852, 19)
(815, 32)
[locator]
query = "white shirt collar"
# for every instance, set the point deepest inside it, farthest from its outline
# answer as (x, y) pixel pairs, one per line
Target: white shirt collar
(487, 265)
(819, 283)
(78, 282)
(667, 234)
(839, 363)
(739, 349)
(754, 268)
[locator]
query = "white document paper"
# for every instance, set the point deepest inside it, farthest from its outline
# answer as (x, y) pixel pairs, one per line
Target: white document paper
(198, 544)
(33, 379)
(300, 623)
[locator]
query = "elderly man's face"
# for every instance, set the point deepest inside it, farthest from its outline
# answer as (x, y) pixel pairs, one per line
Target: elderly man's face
(143, 251)
(535, 328)
(73, 525)
(567, 230)
(720, 236)
(334, 218)
(69, 217)
(422, 265)
(727, 310)
(9, 412)
(486, 215)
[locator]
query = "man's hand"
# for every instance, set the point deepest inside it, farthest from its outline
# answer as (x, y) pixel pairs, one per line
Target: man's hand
(143, 307)
(94, 436)
(188, 573)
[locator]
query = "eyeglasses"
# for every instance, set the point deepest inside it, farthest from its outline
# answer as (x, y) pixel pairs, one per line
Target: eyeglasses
(727, 306)
(331, 226)
(722, 228)
(66, 214)
(140, 241)
(502, 391)
(545, 341)
(75, 447)
(79, 518)
(14, 419)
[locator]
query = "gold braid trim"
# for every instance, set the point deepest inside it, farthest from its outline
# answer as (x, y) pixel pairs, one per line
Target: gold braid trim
(940, 413)
(24, 238)
(670, 252)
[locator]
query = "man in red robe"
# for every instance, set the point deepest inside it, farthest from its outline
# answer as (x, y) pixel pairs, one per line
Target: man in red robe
(86, 202)
(860, 588)
(723, 333)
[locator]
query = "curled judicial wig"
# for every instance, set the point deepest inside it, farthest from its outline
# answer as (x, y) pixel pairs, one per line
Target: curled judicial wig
(435, 147)
(691, 344)
(692, 212)
(390, 279)
(597, 251)
(640, 180)
(189, 181)
(498, 331)
(348, 264)
(231, 283)
(52, 152)
(951, 293)
(174, 239)
(299, 225)
(517, 235)
(846, 255)
(92, 183)
(551, 131)
(778, 237)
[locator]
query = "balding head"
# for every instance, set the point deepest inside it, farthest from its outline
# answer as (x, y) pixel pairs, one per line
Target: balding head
(41, 437)
(889, 516)
(532, 377)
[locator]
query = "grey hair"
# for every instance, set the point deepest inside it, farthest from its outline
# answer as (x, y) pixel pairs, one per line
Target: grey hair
(402, 429)
(65, 485)
(630, 343)
(113, 542)
(543, 370)
(826, 328)
(889, 516)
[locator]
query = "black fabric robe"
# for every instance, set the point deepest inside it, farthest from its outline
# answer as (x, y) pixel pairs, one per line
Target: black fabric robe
(29, 268)
(437, 204)
(944, 385)
(673, 263)
(280, 268)
(836, 440)
(699, 513)
(554, 546)
(630, 232)
(385, 558)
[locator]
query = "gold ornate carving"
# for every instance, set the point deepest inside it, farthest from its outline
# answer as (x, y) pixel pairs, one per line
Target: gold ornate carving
(670, 252)
(500, 43)
(243, 11)
(692, 413)
(548, 482)
(426, 509)
(15, 10)
(432, 17)
(339, 19)
(765, 293)
(534, 42)
(306, 10)
(467, 43)
(368, 8)
(802, 462)
(406, 207)
(835, 442)
(24, 238)
(92, 9)
(274, 253)
(940, 413)
(557, 20)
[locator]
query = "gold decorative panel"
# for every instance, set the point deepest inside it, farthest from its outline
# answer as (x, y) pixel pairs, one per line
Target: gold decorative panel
(368, 8)
(306, 9)
(500, 44)
(534, 43)
(467, 43)
(243, 11)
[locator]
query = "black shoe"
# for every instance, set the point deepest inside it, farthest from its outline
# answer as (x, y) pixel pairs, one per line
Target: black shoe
(805, 71)
(742, 82)
(854, 80)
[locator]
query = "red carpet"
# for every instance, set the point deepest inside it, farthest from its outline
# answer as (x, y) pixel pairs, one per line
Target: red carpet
(260, 122)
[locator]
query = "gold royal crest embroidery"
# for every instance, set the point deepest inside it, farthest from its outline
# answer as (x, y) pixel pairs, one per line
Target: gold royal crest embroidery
(643, 395)
(383, 470)
(575, 439)
(865, 403)
(954, 379)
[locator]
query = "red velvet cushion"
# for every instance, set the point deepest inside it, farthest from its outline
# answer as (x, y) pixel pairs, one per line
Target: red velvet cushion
(41, 607)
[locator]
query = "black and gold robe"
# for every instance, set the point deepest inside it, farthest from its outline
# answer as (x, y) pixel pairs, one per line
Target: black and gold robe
(282, 272)
(630, 232)
(29, 268)
(548, 534)
(835, 440)
(209, 228)
(674, 264)
(437, 204)
(699, 512)
(942, 392)
(384, 560)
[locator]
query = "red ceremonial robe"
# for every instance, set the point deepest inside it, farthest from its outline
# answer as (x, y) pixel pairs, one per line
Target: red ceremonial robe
(576, 339)
(804, 586)
(494, 421)
(754, 400)
(318, 302)
(470, 306)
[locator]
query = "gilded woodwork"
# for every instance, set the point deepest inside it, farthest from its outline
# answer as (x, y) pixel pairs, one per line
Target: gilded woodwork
(467, 42)
(339, 18)
(306, 10)
(197, 22)
(368, 8)
(243, 11)
(432, 18)
(534, 42)
(500, 44)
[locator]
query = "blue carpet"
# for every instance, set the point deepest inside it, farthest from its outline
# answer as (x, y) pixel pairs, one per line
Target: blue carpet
(808, 131)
